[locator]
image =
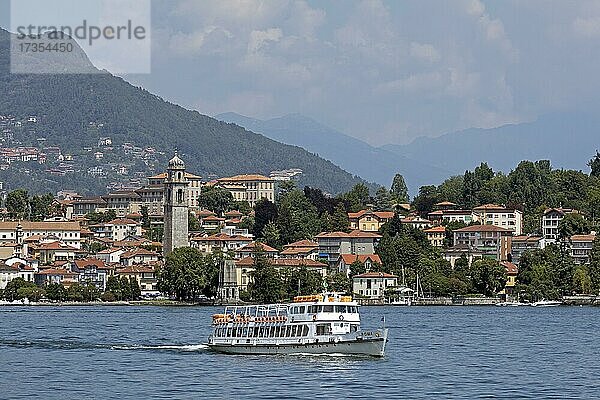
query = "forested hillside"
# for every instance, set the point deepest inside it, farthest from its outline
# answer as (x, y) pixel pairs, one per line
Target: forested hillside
(65, 106)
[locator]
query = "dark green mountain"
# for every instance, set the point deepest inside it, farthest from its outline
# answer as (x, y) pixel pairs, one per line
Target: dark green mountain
(74, 111)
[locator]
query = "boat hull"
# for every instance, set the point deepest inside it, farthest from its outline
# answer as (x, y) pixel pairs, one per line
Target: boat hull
(374, 348)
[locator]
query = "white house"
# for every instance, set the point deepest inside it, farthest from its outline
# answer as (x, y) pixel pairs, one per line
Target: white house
(372, 285)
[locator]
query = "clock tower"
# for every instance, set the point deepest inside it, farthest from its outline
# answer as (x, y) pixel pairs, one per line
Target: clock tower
(176, 206)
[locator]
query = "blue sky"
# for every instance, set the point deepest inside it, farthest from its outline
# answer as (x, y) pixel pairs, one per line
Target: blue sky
(382, 71)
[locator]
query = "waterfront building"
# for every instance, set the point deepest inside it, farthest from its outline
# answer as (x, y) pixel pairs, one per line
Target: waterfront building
(245, 266)
(368, 260)
(145, 276)
(8, 272)
(511, 279)
(580, 247)
(523, 243)
(491, 240)
(176, 206)
(373, 285)
(334, 244)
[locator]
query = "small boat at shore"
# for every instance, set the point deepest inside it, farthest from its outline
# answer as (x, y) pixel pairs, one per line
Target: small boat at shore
(546, 303)
(319, 324)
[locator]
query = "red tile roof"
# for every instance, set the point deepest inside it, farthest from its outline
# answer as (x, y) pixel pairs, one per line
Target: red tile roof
(350, 258)
(302, 244)
(265, 247)
(378, 214)
(283, 262)
(511, 268)
(435, 229)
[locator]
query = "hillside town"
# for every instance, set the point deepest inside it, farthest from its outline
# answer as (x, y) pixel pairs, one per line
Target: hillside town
(126, 234)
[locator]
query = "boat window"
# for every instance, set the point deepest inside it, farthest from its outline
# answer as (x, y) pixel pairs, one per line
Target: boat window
(323, 329)
(245, 332)
(304, 330)
(327, 308)
(228, 331)
(353, 328)
(301, 309)
(312, 309)
(341, 309)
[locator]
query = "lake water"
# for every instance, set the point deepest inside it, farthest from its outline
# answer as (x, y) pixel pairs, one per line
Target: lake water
(433, 353)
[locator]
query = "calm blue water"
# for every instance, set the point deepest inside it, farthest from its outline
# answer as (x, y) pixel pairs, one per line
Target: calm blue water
(433, 353)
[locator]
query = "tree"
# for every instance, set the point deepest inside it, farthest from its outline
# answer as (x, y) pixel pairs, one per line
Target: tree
(324, 204)
(594, 165)
(17, 203)
(216, 199)
(338, 282)
(572, 224)
(113, 285)
(545, 273)
(357, 268)
(101, 217)
(302, 282)
(358, 197)
(145, 217)
(41, 206)
(12, 288)
(186, 274)
(30, 292)
(193, 223)
(265, 211)
(594, 266)
(56, 292)
(90, 292)
(581, 280)
(271, 235)
(399, 190)
(339, 219)
(266, 285)
(134, 289)
(425, 200)
(75, 292)
(488, 276)
(383, 200)
(298, 218)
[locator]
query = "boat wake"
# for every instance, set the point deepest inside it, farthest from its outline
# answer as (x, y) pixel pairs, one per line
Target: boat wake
(182, 348)
(79, 345)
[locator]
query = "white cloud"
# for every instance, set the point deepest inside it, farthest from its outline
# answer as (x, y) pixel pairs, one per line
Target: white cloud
(425, 52)
(587, 26)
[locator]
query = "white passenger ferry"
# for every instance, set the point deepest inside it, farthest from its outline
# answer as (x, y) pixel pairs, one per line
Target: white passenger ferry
(319, 324)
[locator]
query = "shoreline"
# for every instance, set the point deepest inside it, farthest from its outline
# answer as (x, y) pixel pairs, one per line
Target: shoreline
(591, 301)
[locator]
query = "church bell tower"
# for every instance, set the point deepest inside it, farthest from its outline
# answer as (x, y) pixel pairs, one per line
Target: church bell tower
(176, 206)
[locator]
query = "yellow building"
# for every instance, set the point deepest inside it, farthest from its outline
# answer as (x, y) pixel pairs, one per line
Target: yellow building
(250, 188)
(369, 220)
(436, 235)
(511, 278)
